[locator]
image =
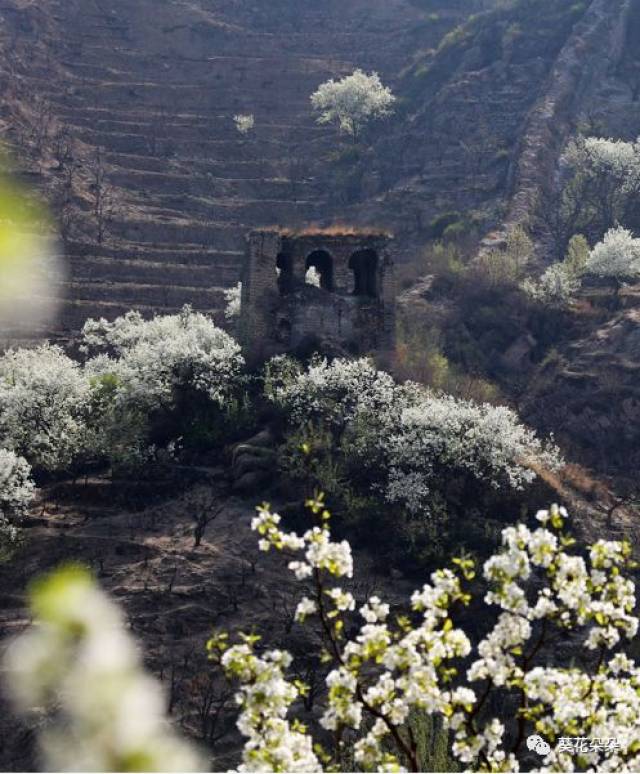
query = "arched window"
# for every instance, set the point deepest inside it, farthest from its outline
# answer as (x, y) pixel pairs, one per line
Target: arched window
(284, 267)
(322, 262)
(364, 265)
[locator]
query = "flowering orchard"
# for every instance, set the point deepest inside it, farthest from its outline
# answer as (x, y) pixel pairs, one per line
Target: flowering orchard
(383, 667)
(406, 436)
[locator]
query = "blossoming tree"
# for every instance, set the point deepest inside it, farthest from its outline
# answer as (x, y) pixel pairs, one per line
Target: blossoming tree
(617, 256)
(352, 102)
(44, 403)
(607, 176)
(154, 357)
(406, 435)
(109, 714)
(509, 700)
(383, 667)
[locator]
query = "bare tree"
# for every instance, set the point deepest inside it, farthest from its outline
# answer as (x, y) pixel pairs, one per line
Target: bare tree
(104, 205)
(203, 504)
(41, 122)
(210, 700)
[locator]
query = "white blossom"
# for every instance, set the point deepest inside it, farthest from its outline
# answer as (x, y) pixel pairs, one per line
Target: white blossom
(154, 357)
(383, 672)
(44, 405)
(352, 102)
(557, 285)
(405, 434)
(312, 277)
(618, 255)
(245, 122)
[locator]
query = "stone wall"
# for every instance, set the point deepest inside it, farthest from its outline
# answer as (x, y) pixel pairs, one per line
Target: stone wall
(353, 311)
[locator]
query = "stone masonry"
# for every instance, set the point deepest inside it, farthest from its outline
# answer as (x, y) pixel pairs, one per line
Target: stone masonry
(353, 310)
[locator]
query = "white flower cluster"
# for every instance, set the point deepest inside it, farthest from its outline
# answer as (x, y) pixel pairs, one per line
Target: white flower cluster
(321, 552)
(618, 255)
(407, 431)
(382, 672)
(245, 122)
(353, 101)
(334, 393)
(487, 441)
(44, 401)
(156, 356)
(16, 494)
(109, 713)
(273, 744)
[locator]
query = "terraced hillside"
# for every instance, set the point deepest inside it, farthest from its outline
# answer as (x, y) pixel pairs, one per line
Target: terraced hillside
(163, 185)
(123, 113)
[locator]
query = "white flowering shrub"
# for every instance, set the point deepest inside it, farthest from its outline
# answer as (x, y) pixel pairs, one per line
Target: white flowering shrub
(408, 438)
(442, 432)
(155, 357)
(333, 393)
(44, 403)
(79, 661)
(16, 494)
(491, 695)
(154, 381)
(561, 281)
(233, 297)
(245, 123)
(352, 102)
(617, 256)
(557, 285)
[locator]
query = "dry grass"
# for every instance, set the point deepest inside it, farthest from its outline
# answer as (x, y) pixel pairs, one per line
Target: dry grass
(335, 230)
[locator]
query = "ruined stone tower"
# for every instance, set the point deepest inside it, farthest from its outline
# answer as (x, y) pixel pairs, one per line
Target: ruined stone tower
(352, 310)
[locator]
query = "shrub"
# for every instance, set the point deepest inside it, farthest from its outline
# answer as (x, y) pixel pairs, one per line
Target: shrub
(557, 285)
(617, 256)
(155, 357)
(401, 440)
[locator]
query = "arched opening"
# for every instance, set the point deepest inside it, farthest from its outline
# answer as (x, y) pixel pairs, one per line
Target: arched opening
(284, 268)
(364, 265)
(322, 262)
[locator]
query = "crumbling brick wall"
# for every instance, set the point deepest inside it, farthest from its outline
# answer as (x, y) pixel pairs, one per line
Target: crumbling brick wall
(353, 311)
